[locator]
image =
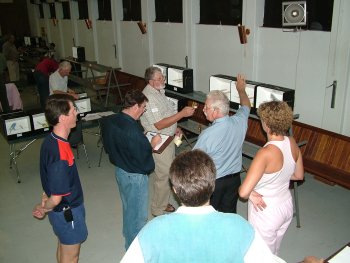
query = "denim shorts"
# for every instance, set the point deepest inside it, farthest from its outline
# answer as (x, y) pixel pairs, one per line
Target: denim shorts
(69, 233)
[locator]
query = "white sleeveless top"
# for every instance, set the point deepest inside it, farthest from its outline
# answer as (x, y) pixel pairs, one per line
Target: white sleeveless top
(275, 186)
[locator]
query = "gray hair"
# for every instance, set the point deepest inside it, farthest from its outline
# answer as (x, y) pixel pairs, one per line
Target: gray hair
(219, 100)
(65, 65)
(149, 73)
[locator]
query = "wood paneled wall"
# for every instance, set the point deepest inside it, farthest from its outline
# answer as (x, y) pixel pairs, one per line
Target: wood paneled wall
(326, 154)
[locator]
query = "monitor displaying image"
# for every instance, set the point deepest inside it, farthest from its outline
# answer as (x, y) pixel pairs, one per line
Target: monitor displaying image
(163, 70)
(75, 52)
(222, 84)
(27, 41)
(264, 94)
(39, 122)
(175, 77)
(83, 105)
(17, 125)
(250, 89)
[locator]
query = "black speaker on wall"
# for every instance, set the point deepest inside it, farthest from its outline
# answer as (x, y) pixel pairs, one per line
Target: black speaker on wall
(294, 13)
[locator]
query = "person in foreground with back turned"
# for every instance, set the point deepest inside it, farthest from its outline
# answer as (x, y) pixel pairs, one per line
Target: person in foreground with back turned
(196, 232)
(270, 207)
(62, 199)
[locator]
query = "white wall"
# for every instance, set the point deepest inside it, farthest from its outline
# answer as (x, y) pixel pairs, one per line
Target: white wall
(106, 52)
(306, 61)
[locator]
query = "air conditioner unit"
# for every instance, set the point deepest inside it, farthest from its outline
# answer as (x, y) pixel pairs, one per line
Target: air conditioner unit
(294, 13)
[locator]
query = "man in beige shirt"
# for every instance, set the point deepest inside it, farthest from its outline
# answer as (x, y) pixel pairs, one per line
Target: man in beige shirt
(160, 117)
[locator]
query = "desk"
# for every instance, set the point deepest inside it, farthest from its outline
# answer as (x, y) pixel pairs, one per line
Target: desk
(109, 81)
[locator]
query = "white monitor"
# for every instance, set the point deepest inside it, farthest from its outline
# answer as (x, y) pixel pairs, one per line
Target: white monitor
(250, 89)
(222, 84)
(83, 105)
(162, 69)
(27, 41)
(265, 94)
(75, 52)
(17, 126)
(174, 103)
(39, 122)
(175, 77)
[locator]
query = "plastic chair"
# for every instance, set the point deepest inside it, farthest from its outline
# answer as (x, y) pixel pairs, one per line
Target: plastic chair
(76, 139)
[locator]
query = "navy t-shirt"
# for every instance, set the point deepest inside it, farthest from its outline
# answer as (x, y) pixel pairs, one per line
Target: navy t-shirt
(58, 172)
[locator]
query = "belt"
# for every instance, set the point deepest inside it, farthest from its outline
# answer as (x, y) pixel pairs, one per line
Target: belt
(230, 176)
(60, 208)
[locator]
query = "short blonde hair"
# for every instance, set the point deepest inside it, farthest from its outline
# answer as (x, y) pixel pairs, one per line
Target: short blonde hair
(277, 115)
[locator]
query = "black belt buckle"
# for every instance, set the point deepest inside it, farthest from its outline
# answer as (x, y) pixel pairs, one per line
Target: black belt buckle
(68, 215)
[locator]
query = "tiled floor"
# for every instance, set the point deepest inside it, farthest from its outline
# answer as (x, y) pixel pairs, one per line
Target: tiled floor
(325, 211)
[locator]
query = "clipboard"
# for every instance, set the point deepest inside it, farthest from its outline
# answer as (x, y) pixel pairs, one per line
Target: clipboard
(166, 140)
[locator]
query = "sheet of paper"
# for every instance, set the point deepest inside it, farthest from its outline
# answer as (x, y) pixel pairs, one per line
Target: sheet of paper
(150, 135)
(106, 113)
(343, 256)
(91, 117)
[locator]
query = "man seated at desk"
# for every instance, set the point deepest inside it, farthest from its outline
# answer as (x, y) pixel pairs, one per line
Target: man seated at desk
(58, 81)
(223, 141)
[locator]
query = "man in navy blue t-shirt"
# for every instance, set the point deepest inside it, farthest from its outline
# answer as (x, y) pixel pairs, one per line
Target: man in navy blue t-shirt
(62, 199)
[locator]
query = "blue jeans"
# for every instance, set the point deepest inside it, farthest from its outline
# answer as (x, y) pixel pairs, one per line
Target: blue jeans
(133, 189)
(42, 83)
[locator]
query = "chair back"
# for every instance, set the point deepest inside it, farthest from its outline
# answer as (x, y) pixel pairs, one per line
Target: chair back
(75, 137)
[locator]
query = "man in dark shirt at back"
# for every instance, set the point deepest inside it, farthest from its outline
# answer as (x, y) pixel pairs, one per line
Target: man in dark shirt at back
(131, 152)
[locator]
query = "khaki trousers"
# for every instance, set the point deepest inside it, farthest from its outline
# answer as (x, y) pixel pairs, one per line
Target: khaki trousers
(13, 68)
(161, 183)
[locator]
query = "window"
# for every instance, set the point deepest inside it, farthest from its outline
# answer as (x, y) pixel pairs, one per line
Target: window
(132, 10)
(104, 10)
(52, 10)
(65, 10)
(318, 15)
(83, 9)
(168, 10)
(41, 11)
(225, 12)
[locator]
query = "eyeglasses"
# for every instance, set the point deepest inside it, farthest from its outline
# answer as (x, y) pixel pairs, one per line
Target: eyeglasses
(208, 108)
(160, 79)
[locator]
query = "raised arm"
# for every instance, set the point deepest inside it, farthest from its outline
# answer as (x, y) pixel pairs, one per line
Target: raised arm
(240, 86)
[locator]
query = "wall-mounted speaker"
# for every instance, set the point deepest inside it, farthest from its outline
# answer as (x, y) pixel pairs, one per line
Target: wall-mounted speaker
(294, 13)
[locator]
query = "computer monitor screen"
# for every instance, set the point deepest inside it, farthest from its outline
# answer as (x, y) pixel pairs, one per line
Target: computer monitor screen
(83, 105)
(265, 94)
(17, 125)
(39, 122)
(75, 52)
(250, 89)
(222, 84)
